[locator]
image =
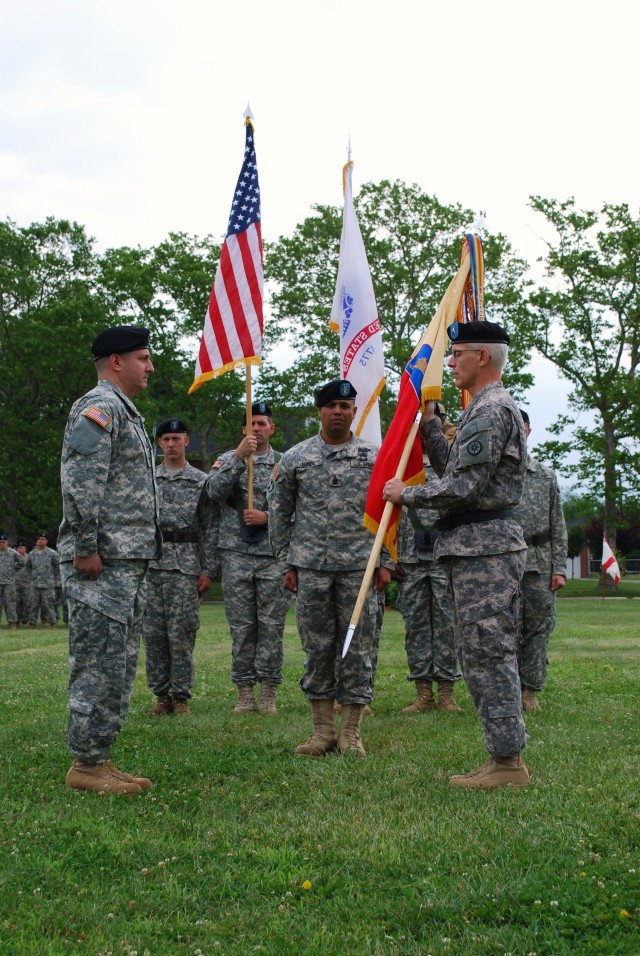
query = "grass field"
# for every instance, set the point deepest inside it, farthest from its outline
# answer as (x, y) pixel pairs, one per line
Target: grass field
(242, 848)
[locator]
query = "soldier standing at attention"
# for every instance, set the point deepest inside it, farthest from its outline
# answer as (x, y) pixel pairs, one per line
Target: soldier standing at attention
(185, 570)
(541, 518)
(481, 477)
(255, 600)
(44, 563)
(24, 597)
(108, 535)
(322, 484)
(10, 564)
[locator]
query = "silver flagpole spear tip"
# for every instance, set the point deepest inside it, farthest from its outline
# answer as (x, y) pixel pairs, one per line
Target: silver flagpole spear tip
(247, 113)
(347, 641)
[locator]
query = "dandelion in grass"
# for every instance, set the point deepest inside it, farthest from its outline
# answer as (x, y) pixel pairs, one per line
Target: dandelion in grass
(306, 885)
(624, 914)
(554, 903)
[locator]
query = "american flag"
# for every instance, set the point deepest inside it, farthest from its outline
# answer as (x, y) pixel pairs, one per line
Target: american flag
(232, 333)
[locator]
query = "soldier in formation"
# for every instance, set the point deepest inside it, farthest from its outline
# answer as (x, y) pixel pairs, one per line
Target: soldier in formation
(480, 481)
(542, 520)
(255, 599)
(316, 504)
(24, 590)
(108, 535)
(44, 564)
(10, 564)
(184, 572)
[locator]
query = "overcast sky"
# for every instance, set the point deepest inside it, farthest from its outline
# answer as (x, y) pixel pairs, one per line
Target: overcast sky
(127, 116)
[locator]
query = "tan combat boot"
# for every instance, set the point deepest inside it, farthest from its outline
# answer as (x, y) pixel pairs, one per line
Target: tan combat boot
(162, 705)
(496, 772)
(143, 782)
(99, 778)
(445, 697)
(246, 700)
(337, 709)
(424, 699)
(180, 707)
(529, 700)
(267, 701)
(323, 739)
(349, 738)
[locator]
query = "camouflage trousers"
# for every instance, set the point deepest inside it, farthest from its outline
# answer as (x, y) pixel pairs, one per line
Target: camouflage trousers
(485, 591)
(24, 600)
(105, 621)
(324, 606)
(256, 606)
(44, 601)
(8, 602)
(169, 632)
(537, 620)
(428, 619)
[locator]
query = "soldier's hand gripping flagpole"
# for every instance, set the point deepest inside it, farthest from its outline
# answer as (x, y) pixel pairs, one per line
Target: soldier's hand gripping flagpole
(445, 314)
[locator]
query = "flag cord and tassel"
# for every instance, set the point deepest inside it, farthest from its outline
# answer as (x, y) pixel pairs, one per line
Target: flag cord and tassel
(445, 312)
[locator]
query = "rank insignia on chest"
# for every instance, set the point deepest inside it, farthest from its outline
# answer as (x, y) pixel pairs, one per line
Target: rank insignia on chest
(98, 416)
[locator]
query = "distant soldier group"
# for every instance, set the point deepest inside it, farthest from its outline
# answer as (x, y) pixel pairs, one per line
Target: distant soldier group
(140, 543)
(29, 582)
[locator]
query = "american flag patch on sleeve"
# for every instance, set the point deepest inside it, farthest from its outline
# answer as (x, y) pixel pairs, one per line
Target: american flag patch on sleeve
(97, 415)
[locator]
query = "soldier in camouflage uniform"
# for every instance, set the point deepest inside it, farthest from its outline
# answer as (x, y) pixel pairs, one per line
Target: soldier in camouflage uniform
(316, 507)
(189, 530)
(255, 599)
(481, 477)
(542, 520)
(24, 591)
(10, 564)
(424, 605)
(108, 535)
(44, 564)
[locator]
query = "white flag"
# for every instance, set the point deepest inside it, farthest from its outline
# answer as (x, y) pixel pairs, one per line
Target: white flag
(355, 317)
(609, 563)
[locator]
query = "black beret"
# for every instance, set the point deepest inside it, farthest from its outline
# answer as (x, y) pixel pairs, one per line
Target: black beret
(339, 388)
(119, 340)
(3, 536)
(171, 426)
(258, 408)
(525, 416)
(480, 333)
(43, 534)
(21, 544)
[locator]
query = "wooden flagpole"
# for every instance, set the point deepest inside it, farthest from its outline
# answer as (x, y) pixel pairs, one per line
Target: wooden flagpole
(447, 308)
(248, 425)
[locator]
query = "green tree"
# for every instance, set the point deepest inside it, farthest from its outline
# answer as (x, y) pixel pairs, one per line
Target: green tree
(587, 322)
(50, 310)
(413, 246)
